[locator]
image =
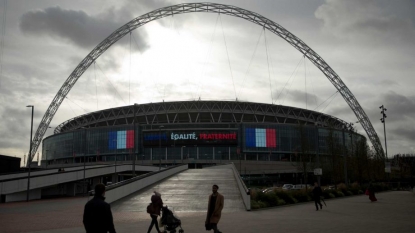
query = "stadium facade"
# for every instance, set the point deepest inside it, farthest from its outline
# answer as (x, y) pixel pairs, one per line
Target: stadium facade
(193, 132)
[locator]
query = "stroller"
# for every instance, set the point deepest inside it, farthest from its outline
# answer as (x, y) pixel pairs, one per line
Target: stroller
(170, 221)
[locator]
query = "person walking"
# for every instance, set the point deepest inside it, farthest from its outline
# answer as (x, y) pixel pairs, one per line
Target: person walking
(97, 213)
(317, 192)
(371, 190)
(154, 210)
(215, 206)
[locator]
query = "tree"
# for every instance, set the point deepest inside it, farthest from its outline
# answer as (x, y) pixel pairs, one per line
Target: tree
(376, 166)
(406, 163)
(333, 162)
(303, 160)
(359, 160)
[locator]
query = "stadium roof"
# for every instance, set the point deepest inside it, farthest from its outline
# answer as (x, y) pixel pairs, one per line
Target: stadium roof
(198, 111)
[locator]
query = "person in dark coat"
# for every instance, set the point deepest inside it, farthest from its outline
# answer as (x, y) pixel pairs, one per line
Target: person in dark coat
(371, 190)
(317, 192)
(97, 213)
(154, 211)
(215, 206)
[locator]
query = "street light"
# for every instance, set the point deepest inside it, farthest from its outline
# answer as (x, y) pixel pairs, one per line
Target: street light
(220, 158)
(161, 126)
(135, 140)
(47, 158)
(115, 163)
(29, 157)
(85, 150)
(350, 129)
(383, 120)
(182, 153)
(47, 152)
(240, 162)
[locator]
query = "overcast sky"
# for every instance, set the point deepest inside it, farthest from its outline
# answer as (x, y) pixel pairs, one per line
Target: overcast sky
(369, 44)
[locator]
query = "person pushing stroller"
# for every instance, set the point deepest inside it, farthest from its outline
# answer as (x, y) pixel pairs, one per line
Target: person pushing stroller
(154, 209)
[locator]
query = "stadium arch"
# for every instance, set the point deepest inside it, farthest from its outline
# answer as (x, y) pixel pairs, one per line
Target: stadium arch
(253, 17)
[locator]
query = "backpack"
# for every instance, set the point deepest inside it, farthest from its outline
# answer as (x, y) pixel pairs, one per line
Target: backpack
(150, 208)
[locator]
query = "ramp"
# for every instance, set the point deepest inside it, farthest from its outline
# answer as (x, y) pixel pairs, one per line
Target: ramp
(188, 191)
(15, 189)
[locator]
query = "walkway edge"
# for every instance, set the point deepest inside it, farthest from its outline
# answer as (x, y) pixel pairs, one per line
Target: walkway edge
(115, 194)
(246, 197)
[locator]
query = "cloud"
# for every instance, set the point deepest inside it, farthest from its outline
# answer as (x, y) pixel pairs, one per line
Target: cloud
(78, 27)
(365, 20)
(387, 82)
(400, 109)
(404, 133)
(16, 120)
(296, 96)
(399, 106)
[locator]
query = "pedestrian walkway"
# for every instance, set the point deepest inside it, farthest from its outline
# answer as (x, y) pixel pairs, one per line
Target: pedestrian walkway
(394, 212)
(187, 192)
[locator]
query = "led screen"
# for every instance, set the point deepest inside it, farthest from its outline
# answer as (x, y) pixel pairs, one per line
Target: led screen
(259, 137)
(121, 139)
(190, 137)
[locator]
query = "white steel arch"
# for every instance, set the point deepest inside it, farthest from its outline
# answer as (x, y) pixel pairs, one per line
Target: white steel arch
(253, 17)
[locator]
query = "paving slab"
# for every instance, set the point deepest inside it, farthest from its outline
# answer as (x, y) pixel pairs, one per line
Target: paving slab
(187, 191)
(394, 212)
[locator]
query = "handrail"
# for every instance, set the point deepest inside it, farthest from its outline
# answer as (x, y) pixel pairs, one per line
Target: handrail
(124, 188)
(245, 192)
(77, 170)
(54, 173)
(124, 182)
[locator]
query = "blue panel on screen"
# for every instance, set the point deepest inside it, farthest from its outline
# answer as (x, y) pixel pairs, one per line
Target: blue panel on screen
(250, 137)
(112, 140)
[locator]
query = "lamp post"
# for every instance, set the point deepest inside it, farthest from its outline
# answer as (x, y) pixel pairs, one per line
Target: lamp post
(85, 150)
(350, 129)
(47, 158)
(29, 156)
(182, 153)
(220, 156)
(115, 163)
(383, 120)
(240, 162)
(135, 140)
(318, 170)
(174, 152)
(161, 126)
(47, 153)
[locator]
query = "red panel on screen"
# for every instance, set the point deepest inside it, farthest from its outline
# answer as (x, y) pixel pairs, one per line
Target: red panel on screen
(130, 139)
(271, 138)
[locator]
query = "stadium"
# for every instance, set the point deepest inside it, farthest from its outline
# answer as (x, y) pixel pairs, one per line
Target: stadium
(259, 138)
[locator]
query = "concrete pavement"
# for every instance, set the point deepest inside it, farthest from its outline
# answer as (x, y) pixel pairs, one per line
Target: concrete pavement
(187, 191)
(394, 212)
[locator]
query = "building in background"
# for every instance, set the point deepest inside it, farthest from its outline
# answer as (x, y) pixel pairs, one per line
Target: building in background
(9, 164)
